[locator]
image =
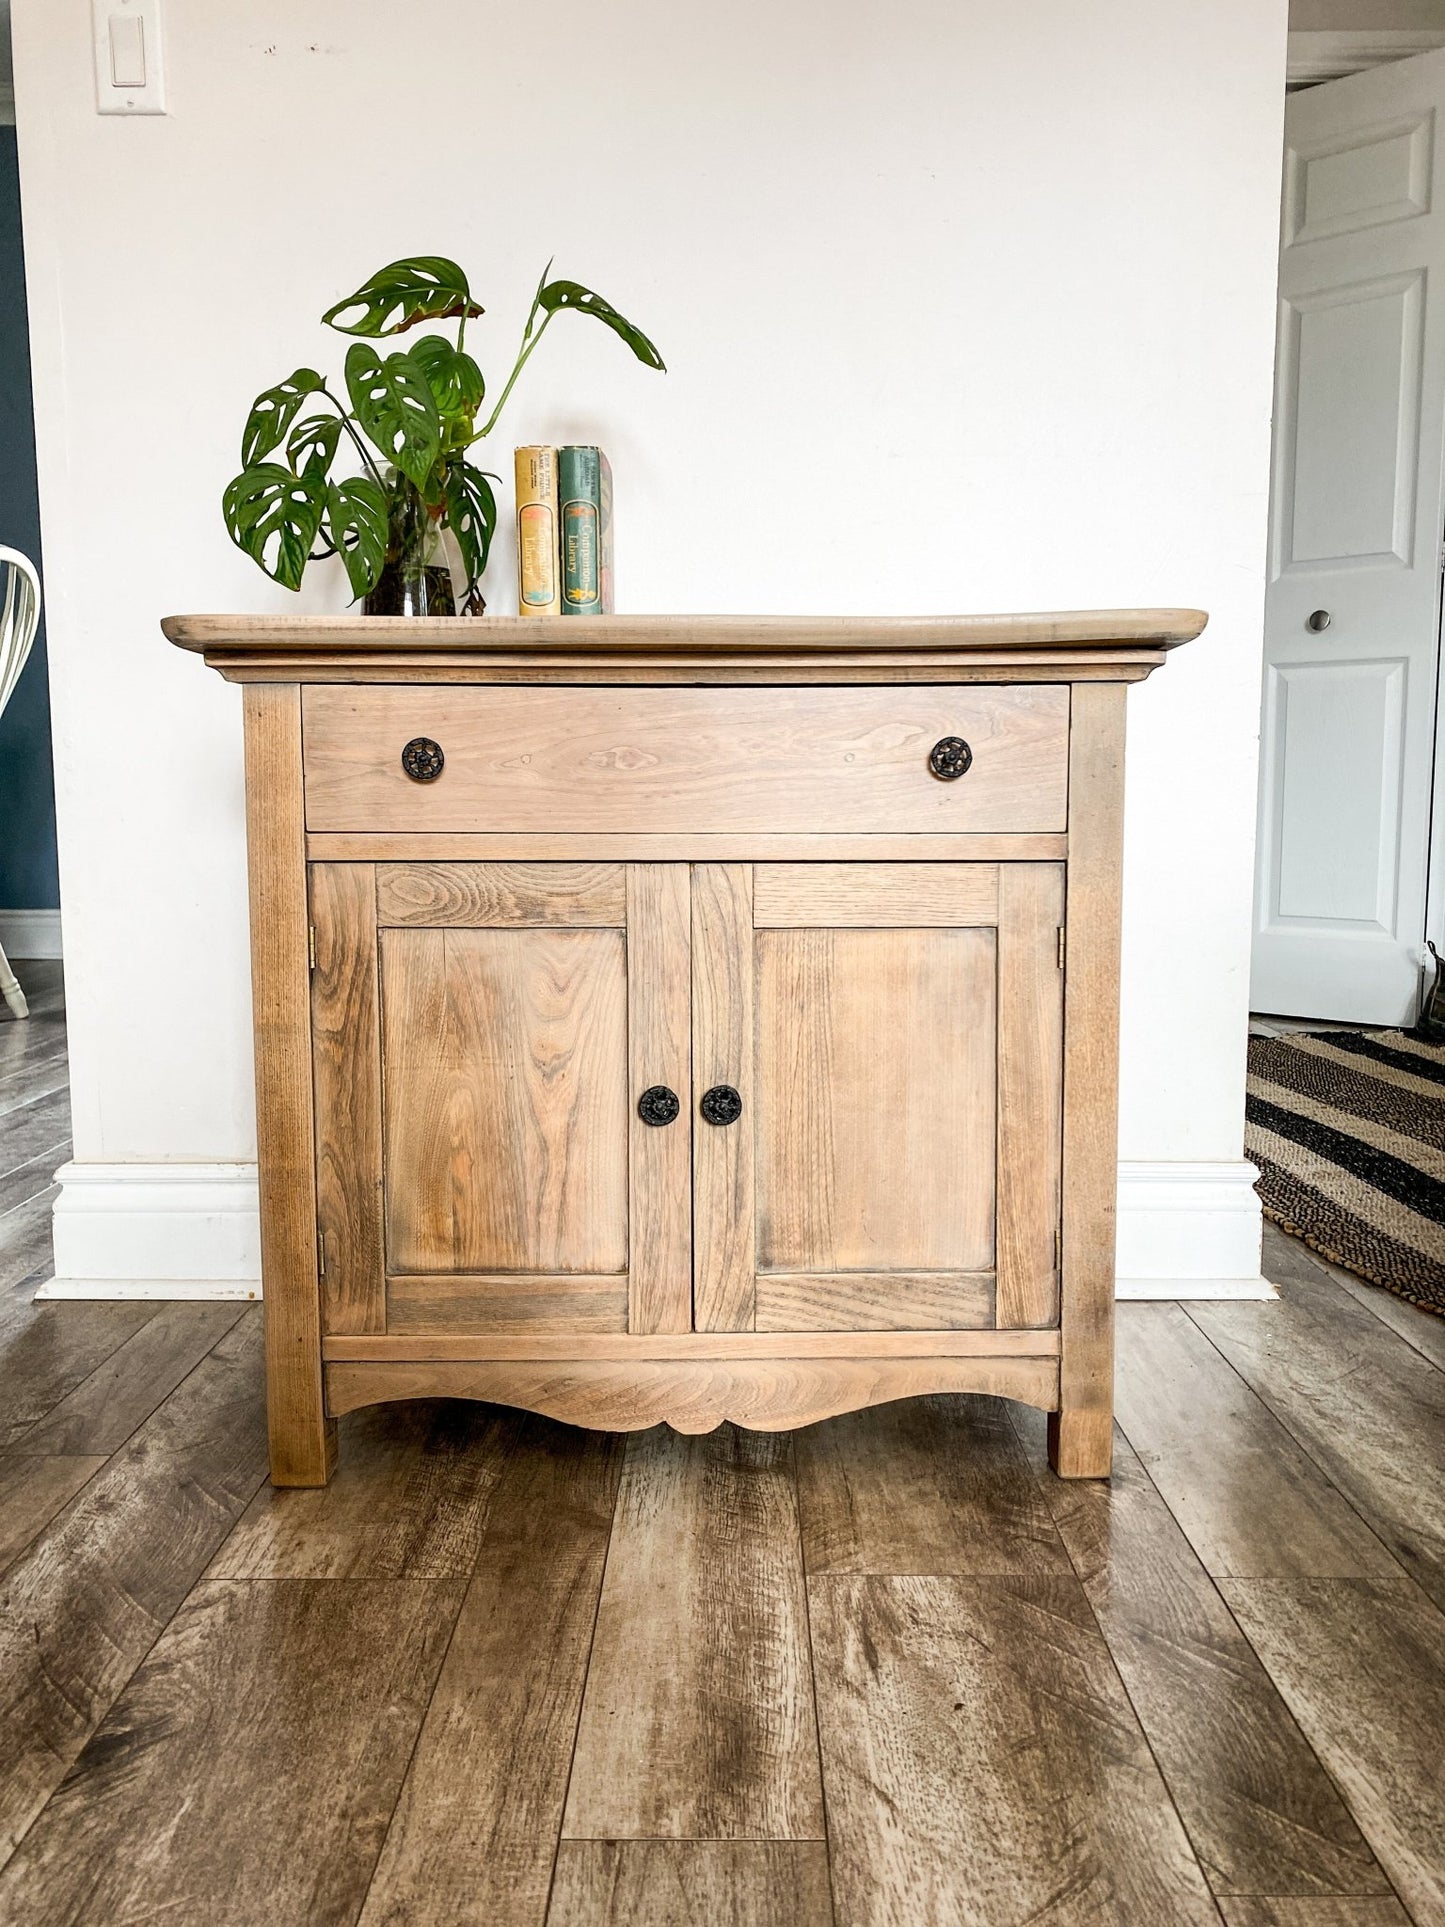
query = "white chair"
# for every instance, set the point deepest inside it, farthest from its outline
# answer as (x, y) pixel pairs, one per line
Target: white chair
(19, 619)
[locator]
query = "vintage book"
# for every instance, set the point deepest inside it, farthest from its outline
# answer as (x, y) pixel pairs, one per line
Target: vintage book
(538, 584)
(584, 484)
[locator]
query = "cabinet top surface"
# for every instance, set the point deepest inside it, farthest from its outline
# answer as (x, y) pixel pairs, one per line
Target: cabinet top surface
(1123, 643)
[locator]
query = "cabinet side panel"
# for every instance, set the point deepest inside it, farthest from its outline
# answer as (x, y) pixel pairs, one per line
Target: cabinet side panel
(346, 1054)
(1030, 1091)
(725, 1263)
(659, 1049)
(303, 1439)
(1081, 1434)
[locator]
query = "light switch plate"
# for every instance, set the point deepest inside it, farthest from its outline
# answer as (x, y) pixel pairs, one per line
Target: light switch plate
(129, 72)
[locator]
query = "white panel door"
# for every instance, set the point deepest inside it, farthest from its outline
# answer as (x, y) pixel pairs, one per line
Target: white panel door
(1352, 617)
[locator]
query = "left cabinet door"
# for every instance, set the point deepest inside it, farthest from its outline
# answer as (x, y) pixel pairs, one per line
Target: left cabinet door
(482, 1036)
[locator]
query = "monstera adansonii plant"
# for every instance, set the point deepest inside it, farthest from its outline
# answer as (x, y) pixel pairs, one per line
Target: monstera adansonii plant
(409, 419)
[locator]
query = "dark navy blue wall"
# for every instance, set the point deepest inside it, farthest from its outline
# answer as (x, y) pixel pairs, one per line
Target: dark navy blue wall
(27, 793)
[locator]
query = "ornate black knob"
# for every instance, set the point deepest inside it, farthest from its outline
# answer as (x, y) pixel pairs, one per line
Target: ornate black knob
(949, 758)
(658, 1105)
(721, 1105)
(422, 759)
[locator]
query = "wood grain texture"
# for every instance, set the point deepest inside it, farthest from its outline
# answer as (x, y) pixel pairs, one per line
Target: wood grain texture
(686, 758)
(873, 1300)
(1359, 1664)
(659, 1167)
(1289, 1911)
(123, 1391)
(771, 1396)
(693, 846)
(698, 1346)
(875, 896)
(32, 1491)
(303, 1438)
(724, 1195)
(505, 1071)
(698, 1714)
(1368, 1409)
(453, 1304)
(1261, 1813)
(661, 1883)
(249, 1770)
(982, 1762)
(86, 1602)
(933, 1485)
(776, 669)
(475, 1830)
(1030, 1093)
(1250, 1502)
(410, 1500)
(1081, 1435)
(346, 1059)
(874, 1158)
(610, 638)
(53, 1350)
(573, 896)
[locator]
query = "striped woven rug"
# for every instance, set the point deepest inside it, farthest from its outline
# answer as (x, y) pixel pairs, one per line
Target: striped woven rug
(1348, 1130)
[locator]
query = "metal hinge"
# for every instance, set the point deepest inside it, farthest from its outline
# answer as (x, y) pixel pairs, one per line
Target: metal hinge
(1061, 943)
(311, 943)
(321, 1254)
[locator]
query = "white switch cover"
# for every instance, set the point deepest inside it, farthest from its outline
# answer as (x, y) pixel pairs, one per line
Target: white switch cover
(128, 74)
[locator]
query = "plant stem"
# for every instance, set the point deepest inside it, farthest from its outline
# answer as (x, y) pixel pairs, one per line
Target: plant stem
(529, 342)
(361, 447)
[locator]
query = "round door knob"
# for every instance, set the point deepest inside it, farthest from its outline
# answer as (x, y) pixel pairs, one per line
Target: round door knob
(1317, 621)
(949, 758)
(422, 759)
(658, 1105)
(721, 1105)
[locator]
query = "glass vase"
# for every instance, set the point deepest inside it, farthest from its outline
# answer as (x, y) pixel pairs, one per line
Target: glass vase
(417, 577)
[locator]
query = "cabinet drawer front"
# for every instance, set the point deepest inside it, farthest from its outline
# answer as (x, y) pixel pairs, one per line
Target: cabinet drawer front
(647, 760)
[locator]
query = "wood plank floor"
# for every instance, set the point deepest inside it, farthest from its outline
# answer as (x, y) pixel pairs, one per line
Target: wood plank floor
(884, 1670)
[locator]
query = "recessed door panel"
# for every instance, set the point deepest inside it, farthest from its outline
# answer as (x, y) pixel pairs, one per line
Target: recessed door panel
(875, 1100)
(505, 1055)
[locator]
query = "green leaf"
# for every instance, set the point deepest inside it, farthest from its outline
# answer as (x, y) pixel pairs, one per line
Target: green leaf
(471, 517)
(394, 405)
(273, 412)
(356, 518)
(454, 378)
(313, 444)
(424, 287)
(571, 294)
(274, 515)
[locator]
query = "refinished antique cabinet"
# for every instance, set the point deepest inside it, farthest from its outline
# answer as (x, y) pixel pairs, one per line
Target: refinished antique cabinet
(686, 1019)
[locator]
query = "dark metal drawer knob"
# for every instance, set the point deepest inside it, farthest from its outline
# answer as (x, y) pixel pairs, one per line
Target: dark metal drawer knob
(949, 758)
(422, 759)
(721, 1105)
(658, 1105)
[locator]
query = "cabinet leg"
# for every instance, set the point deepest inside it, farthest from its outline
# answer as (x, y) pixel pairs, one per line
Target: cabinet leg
(302, 1437)
(1081, 1443)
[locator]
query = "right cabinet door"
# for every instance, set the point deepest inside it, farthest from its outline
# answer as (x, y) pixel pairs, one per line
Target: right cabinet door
(877, 1085)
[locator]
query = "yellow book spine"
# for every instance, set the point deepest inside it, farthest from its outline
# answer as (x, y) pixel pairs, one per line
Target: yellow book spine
(538, 573)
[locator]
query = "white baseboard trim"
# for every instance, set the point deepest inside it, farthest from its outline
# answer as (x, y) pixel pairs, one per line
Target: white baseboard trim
(192, 1231)
(1189, 1231)
(156, 1231)
(30, 933)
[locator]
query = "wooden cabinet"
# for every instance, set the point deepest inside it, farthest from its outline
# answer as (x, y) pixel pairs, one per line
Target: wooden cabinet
(686, 1021)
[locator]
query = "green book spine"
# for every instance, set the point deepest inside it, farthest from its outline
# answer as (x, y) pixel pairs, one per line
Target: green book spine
(584, 489)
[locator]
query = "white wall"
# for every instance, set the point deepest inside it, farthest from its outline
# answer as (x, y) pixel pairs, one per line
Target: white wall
(964, 307)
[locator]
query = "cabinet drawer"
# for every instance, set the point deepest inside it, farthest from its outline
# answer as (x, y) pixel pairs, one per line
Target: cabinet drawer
(663, 759)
